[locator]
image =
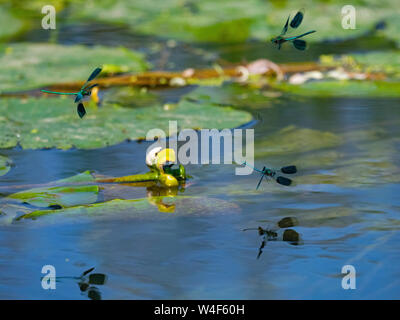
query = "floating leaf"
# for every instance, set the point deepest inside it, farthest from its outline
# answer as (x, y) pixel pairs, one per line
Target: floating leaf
(57, 195)
(183, 205)
(61, 196)
(53, 122)
(29, 66)
(345, 88)
(5, 164)
(231, 94)
(9, 25)
(206, 21)
(384, 61)
(236, 20)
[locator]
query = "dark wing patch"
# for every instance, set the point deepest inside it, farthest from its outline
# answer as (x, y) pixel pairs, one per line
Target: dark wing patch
(94, 74)
(81, 110)
(284, 181)
(298, 18)
(289, 169)
(285, 28)
(300, 44)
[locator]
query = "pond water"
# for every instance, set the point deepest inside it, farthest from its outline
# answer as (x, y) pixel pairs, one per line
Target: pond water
(345, 199)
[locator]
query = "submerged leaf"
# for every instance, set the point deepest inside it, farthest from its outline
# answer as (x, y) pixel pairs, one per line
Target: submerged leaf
(296, 140)
(5, 165)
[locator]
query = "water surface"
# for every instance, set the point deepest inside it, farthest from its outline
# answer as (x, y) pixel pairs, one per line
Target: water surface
(345, 199)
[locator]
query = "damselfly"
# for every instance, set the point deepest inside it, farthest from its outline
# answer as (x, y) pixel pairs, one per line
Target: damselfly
(268, 173)
(296, 21)
(86, 90)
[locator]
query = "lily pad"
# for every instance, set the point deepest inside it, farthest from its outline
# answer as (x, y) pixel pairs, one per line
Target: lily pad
(63, 196)
(59, 196)
(53, 122)
(206, 21)
(384, 61)
(5, 165)
(235, 20)
(344, 88)
(326, 17)
(78, 195)
(73, 191)
(232, 94)
(183, 205)
(9, 25)
(29, 66)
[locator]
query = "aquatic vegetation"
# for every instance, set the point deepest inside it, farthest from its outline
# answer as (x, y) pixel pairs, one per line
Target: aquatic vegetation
(362, 170)
(338, 216)
(295, 23)
(81, 193)
(9, 24)
(387, 62)
(65, 195)
(5, 165)
(49, 123)
(160, 162)
(344, 88)
(33, 65)
(233, 94)
(86, 90)
(202, 21)
(296, 140)
(141, 208)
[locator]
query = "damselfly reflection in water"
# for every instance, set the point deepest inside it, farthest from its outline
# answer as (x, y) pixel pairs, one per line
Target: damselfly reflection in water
(275, 234)
(86, 282)
(268, 173)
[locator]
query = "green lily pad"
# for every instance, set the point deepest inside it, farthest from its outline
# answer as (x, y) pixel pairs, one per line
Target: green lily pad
(326, 18)
(130, 97)
(206, 21)
(77, 196)
(53, 122)
(344, 88)
(235, 20)
(5, 165)
(61, 196)
(9, 24)
(34, 7)
(387, 62)
(232, 94)
(184, 205)
(29, 66)
(73, 191)
(64, 196)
